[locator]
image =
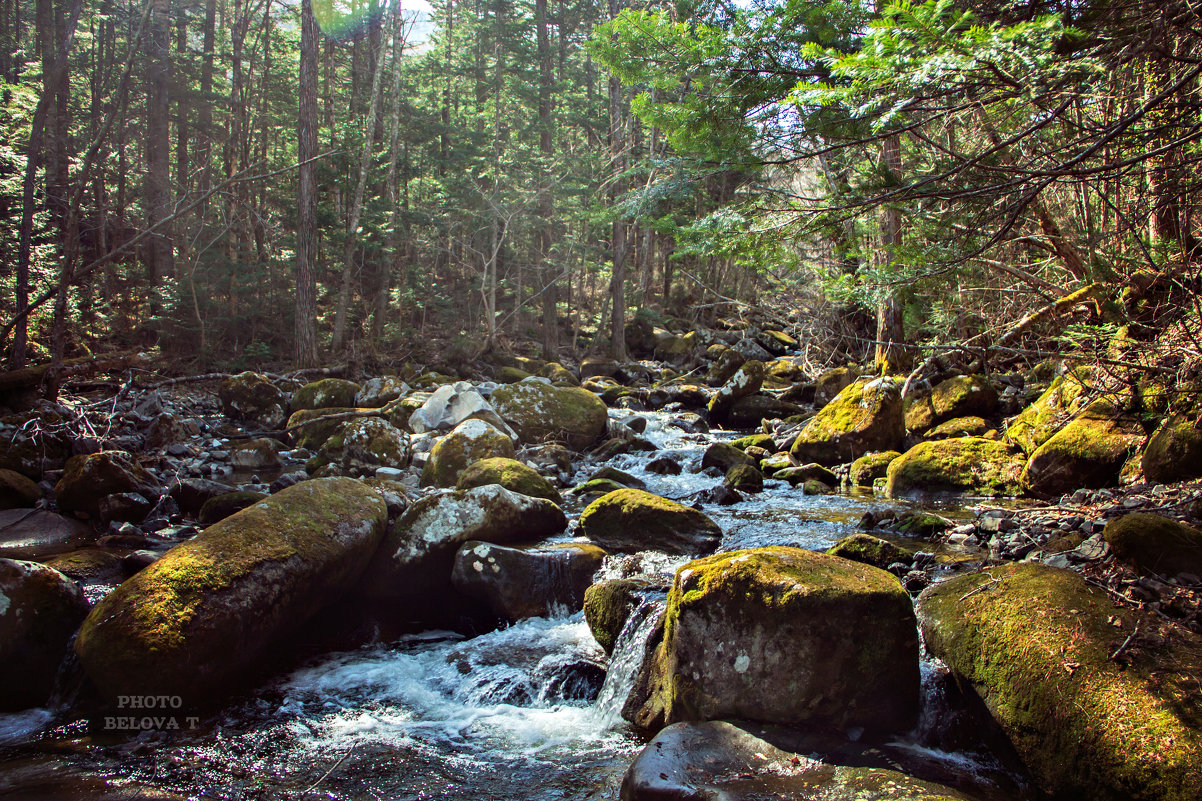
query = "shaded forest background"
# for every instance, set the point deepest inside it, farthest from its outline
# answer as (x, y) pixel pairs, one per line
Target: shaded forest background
(243, 182)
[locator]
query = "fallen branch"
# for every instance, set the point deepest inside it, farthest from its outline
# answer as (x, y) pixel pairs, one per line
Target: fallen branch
(32, 377)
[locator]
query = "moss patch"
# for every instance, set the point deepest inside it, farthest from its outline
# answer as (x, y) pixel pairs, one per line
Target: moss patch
(871, 466)
(541, 413)
(326, 393)
(1156, 544)
(1174, 453)
(865, 416)
(958, 396)
(1037, 423)
(969, 465)
(510, 474)
(1088, 452)
(629, 520)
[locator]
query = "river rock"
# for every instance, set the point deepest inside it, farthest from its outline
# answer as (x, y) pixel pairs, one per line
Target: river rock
(36, 534)
(167, 429)
(969, 465)
(88, 478)
(763, 635)
(222, 506)
(751, 411)
(414, 563)
(632, 520)
(540, 412)
(777, 342)
(1156, 544)
(367, 443)
(725, 761)
(746, 381)
(744, 478)
(724, 455)
(255, 454)
(470, 441)
(723, 369)
(205, 615)
(865, 416)
(871, 466)
(1034, 643)
(510, 474)
(608, 604)
(598, 366)
(870, 550)
(558, 375)
(958, 396)
(380, 391)
(1089, 452)
(752, 350)
(526, 581)
(832, 382)
(325, 394)
(1037, 423)
(252, 399)
(451, 405)
(960, 427)
(807, 472)
(89, 566)
(40, 609)
(314, 435)
(17, 491)
(1174, 453)
(191, 493)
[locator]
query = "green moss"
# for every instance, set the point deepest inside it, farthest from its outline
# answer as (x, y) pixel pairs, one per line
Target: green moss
(1088, 452)
(326, 393)
(754, 441)
(469, 442)
(510, 474)
(869, 550)
(970, 465)
(745, 478)
(607, 605)
(315, 435)
(559, 375)
(871, 466)
(1037, 423)
(1156, 544)
(620, 477)
(1174, 453)
(631, 518)
(960, 427)
(958, 396)
(865, 416)
(540, 413)
(1035, 642)
(511, 375)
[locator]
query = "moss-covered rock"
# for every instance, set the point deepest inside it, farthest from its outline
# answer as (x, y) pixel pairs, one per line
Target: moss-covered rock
(559, 375)
(744, 478)
(961, 427)
(608, 604)
(314, 435)
(204, 616)
(1156, 544)
(1034, 643)
(414, 562)
(871, 466)
(1037, 423)
(1174, 453)
(541, 413)
(255, 454)
(89, 566)
(325, 394)
(773, 463)
(89, 478)
(222, 506)
(1088, 452)
(17, 491)
(865, 416)
(526, 581)
(252, 399)
(754, 440)
(727, 363)
(870, 550)
(631, 520)
(380, 391)
(366, 443)
(597, 486)
(511, 375)
(469, 442)
(832, 382)
(958, 396)
(762, 635)
(724, 455)
(969, 465)
(808, 472)
(753, 410)
(510, 474)
(40, 609)
(746, 381)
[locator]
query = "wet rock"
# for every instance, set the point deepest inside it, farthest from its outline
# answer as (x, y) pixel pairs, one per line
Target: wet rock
(469, 442)
(871, 466)
(526, 581)
(130, 507)
(772, 463)
(808, 472)
(620, 445)
(746, 381)
(40, 609)
(191, 493)
(596, 487)
(727, 761)
(958, 396)
(222, 506)
(744, 478)
(1155, 544)
(325, 393)
(724, 456)
(205, 615)
(1174, 453)
(749, 412)
(1035, 643)
(690, 423)
(832, 382)
(252, 399)
(367, 443)
(89, 566)
(865, 416)
(869, 550)
(722, 370)
(255, 454)
(609, 603)
(754, 441)
(664, 465)
(618, 476)
(510, 474)
(969, 465)
(630, 520)
(36, 534)
(721, 495)
(1037, 423)
(17, 491)
(762, 635)
(540, 412)
(414, 562)
(167, 429)
(380, 391)
(1088, 452)
(89, 478)
(139, 560)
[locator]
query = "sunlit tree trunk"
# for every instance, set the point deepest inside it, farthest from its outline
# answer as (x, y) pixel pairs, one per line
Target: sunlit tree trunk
(305, 345)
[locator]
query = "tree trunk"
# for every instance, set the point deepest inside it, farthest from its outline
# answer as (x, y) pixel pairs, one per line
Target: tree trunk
(305, 346)
(159, 258)
(618, 236)
(546, 202)
(891, 354)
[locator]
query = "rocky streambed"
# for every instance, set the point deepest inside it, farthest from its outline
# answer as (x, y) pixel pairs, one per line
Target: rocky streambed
(385, 597)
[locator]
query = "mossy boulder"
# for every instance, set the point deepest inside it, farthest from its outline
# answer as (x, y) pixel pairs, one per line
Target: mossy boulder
(744, 478)
(380, 391)
(1088, 452)
(631, 520)
(777, 342)
(832, 382)
(510, 474)
(1156, 544)
(746, 381)
(325, 394)
(559, 375)
(724, 455)
(1036, 424)
(865, 416)
(608, 604)
(540, 412)
(596, 487)
(753, 410)
(511, 375)
(763, 635)
(724, 367)
(598, 366)
(870, 550)
(871, 466)
(412, 568)
(520, 581)
(961, 427)
(1174, 453)
(222, 506)
(754, 441)
(40, 609)
(89, 566)
(17, 491)
(255, 454)
(968, 465)
(91, 477)
(252, 399)
(314, 435)
(204, 616)
(366, 443)
(808, 472)
(1035, 645)
(958, 396)
(773, 463)
(469, 442)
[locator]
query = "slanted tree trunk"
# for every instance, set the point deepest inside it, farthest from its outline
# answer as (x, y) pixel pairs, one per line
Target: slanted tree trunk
(305, 345)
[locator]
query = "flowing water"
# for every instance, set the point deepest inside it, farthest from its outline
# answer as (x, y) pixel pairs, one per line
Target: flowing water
(524, 712)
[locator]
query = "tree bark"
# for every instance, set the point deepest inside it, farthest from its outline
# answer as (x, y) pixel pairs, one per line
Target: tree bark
(305, 345)
(617, 147)
(546, 201)
(891, 354)
(159, 257)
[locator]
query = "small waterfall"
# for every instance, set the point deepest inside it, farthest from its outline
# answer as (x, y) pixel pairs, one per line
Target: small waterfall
(629, 651)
